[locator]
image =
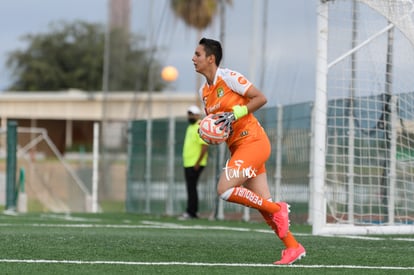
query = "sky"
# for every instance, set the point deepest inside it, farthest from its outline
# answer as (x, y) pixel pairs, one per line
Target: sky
(279, 59)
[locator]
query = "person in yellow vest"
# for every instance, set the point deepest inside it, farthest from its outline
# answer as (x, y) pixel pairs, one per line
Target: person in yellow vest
(194, 161)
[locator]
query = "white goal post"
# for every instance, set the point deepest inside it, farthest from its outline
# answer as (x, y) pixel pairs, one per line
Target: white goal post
(363, 121)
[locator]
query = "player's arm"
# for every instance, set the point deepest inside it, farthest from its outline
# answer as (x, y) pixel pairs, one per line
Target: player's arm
(204, 149)
(256, 99)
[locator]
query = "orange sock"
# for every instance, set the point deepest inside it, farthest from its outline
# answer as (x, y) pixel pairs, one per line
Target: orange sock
(290, 241)
(246, 197)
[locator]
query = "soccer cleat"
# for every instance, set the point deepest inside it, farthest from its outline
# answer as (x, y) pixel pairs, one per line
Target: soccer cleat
(291, 255)
(281, 219)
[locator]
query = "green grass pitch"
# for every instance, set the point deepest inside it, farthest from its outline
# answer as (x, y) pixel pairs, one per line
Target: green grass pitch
(120, 243)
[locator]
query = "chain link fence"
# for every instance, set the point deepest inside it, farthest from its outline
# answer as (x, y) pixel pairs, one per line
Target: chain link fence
(155, 176)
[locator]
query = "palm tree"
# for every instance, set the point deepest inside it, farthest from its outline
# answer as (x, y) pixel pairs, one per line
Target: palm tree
(195, 13)
(199, 14)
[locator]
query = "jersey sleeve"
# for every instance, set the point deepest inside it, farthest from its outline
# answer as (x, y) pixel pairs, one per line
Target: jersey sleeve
(237, 82)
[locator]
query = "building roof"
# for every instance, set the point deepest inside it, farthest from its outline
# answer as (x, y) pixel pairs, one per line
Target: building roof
(79, 105)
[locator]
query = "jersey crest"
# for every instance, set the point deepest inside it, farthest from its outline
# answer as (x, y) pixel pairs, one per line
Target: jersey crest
(220, 92)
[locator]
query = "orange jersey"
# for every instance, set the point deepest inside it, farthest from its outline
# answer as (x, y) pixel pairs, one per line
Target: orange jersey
(229, 89)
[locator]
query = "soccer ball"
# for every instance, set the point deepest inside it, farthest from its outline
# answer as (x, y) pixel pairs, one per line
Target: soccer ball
(210, 132)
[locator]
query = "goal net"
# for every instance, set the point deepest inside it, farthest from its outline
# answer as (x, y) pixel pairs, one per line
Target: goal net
(363, 158)
(46, 180)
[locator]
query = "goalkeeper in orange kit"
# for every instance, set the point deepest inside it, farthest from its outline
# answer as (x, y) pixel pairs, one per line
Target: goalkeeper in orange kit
(243, 180)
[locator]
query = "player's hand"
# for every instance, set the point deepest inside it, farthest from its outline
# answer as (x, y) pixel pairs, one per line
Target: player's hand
(225, 119)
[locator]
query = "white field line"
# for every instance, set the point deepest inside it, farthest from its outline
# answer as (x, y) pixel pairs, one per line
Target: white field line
(149, 225)
(175, 226)
(28, 261)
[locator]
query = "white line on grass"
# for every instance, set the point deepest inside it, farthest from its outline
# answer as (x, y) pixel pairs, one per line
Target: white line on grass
(68, 217)
(175, 226)
(159, 225)
(129, 226)
(42, 261)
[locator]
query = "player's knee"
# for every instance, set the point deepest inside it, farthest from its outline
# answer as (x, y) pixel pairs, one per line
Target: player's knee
(223, 186)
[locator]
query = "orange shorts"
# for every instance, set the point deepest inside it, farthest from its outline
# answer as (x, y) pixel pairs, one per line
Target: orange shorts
(248, 157)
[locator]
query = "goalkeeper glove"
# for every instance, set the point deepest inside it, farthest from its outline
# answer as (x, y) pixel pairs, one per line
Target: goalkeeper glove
(227, 118)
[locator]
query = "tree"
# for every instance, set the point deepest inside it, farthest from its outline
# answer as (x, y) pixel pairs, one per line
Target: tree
(70, 55)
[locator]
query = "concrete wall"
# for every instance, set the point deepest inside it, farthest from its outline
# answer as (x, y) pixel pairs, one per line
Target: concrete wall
(68, 116)
(78, 105)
